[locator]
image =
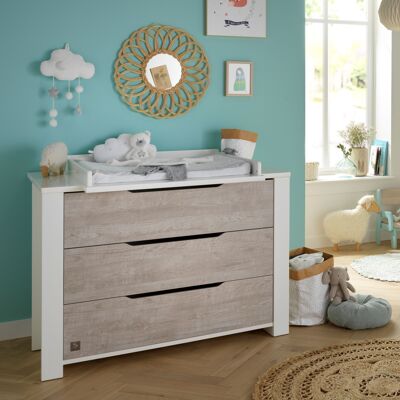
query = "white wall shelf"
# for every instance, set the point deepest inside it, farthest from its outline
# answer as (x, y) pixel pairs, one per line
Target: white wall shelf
(328, 179)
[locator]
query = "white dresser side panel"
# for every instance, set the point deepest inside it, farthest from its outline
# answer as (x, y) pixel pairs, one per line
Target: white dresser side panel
(52, 285)
(36, 267)
(281, 257)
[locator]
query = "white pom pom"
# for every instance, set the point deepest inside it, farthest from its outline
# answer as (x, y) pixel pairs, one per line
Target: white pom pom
(53, 113)
(53, 123)
(69, 96)
(79, 89)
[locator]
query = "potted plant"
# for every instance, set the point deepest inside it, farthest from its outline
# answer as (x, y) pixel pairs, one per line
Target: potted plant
(357, 136)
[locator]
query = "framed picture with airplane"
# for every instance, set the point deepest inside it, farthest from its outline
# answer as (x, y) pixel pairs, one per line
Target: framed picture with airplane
(242, 18)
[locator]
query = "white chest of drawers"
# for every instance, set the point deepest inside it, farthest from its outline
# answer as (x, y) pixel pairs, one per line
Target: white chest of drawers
(128, 269)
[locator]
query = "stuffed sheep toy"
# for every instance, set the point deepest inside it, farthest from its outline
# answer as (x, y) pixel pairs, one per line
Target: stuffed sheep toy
(54, 159)
(350, 225)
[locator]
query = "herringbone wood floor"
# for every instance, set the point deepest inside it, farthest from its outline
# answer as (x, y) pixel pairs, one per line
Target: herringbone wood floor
(219, 369)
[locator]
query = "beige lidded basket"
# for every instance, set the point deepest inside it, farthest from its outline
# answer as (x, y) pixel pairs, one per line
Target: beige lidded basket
(241, 142)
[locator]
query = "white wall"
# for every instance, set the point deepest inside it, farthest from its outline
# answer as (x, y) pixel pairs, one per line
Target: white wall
(324, 197)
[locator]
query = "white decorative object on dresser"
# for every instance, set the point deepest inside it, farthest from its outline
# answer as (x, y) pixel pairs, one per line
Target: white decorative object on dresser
(121, 268)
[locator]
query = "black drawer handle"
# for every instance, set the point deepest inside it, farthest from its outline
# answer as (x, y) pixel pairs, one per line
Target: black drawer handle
(175, 239)
(175, 188)
(170, 291)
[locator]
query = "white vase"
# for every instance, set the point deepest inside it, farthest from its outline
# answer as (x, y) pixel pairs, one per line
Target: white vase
(359, 156)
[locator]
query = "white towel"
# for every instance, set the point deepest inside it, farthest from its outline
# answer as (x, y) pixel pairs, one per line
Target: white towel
(306, 260)
(160, 162)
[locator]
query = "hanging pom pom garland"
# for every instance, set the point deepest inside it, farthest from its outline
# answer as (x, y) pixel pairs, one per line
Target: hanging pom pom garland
(65, 65)
(69, 96)
(53, 93)
(79, 90)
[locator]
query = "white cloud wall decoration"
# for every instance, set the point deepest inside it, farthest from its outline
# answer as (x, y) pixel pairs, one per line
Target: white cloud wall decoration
(64, 65)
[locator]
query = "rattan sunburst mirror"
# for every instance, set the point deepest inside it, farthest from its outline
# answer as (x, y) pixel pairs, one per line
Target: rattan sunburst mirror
(161, 71)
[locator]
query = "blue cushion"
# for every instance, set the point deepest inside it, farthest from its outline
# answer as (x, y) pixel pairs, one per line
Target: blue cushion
(366, 313)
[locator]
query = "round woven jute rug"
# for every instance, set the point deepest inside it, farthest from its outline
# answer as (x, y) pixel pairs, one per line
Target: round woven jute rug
(362, 370)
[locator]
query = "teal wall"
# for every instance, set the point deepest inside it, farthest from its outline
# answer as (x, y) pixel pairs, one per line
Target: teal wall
(29, 30)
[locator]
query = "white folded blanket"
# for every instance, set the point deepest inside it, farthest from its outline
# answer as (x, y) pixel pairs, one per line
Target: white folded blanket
(305, 261)
(157, 162)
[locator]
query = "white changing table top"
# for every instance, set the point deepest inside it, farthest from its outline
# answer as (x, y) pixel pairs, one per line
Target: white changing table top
(73, 182)
(76, 182)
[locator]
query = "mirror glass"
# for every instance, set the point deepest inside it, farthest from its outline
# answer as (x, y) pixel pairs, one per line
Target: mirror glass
(163, 71)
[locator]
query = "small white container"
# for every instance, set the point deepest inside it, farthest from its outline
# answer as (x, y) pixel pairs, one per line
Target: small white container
(239, 142)
(311, 171)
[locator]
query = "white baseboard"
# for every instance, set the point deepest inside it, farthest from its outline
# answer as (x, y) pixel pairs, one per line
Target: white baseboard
(15, 329)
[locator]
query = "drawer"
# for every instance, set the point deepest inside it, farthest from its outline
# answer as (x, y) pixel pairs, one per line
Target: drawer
(122, 323)
(118, 217)
(99, 272)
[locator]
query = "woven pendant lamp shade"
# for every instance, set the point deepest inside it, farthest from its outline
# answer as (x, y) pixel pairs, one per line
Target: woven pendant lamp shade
(389, 14)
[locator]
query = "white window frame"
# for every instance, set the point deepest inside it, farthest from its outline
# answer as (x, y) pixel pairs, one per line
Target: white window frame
(325, 21)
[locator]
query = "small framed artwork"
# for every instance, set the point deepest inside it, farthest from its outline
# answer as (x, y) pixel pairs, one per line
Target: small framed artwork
(239, 78)
(245, 18)
(161, 77)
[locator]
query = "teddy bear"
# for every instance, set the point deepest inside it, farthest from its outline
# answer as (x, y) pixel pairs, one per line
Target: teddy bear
(141, 148)
(338, 279)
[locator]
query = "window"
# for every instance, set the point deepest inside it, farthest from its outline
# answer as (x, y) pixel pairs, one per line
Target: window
(339, 73)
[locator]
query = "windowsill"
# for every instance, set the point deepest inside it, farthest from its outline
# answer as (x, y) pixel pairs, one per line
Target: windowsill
(347, 178)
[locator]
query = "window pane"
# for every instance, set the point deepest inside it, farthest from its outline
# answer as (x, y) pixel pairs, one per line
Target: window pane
(314, 95)
(347, 81)
(313, 8)
(355, 10)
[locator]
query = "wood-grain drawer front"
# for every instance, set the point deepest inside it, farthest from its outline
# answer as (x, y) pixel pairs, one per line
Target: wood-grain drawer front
(122, 323)
(99, 272)
(117, 217)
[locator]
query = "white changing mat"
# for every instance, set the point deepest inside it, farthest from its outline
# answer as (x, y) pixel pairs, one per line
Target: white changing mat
(219, 165)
